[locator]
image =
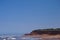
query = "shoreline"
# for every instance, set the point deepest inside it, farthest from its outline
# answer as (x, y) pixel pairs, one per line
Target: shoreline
(43, 36)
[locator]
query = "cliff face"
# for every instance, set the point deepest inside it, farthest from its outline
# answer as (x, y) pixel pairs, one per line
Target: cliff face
(46, 31)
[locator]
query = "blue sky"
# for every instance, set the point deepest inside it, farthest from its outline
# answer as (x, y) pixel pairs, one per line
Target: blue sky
(22, 16)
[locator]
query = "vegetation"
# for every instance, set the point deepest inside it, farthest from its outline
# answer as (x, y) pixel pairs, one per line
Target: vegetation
(50, 31)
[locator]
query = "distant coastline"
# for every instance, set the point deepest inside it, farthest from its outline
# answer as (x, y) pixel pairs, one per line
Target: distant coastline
(44, 33)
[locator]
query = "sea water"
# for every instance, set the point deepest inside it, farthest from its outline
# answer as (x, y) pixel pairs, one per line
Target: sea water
(41, 39)
(20, 37)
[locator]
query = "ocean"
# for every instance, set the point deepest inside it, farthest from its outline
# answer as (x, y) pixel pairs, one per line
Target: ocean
(41, 39)
(20, 37)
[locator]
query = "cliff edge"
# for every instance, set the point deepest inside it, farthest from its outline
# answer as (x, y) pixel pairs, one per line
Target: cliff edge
(45, 33)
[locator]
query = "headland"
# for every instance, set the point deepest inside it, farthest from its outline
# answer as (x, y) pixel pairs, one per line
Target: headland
(44, 33)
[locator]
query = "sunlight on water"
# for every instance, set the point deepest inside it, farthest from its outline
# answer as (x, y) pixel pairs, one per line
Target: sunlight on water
(31, 39)
(39, 39)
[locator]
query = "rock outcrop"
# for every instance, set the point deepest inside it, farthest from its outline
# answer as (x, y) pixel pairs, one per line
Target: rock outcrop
(46, 31)
(50, 31)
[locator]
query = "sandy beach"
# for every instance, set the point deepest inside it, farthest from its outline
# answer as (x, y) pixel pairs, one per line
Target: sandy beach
(43, 36)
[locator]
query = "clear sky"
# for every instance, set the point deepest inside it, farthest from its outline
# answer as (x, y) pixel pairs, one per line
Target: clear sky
(22, 16)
